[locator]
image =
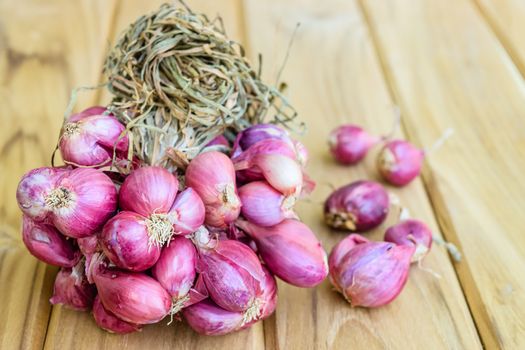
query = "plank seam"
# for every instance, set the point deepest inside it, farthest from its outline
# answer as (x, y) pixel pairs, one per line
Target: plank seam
(449, 235)
(501, 38)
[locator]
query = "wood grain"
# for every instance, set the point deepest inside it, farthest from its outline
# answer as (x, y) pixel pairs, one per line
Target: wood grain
(45, 50)
(506, 19)
(335, 78)
(453, 72)
(159, 336)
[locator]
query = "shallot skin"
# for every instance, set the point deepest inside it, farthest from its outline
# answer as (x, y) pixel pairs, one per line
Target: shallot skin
(412, 233)
(208, 318)
(187, 212)
(232, 274)
(349, 144)
(125, 241)
(48, 245)
(72, 289)
(399, 162)
(372, 274)
(132, 296)
(359, 206)
(109, 322)
(149, 190)
(342, 248)
(291, 251)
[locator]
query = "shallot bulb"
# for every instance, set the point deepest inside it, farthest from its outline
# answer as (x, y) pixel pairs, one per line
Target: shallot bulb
(88, 245)
(399, 162)
(109, 322)
(232, 274)
(359, 206)
(125, 240)
(131, 296)
(47, 244)
(349, 143)
(76, 202)
(290, 250)
(220, 140)
(150, 193)
(187, 212)
(265, 206)
(268, 297)
(72, 289)
(90, 137)
(208, 318)
(175, 270)
(412, 233)
(370, 274)
(212, 176)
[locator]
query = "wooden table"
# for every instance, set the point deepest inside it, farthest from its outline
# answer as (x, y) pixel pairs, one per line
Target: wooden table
(454, 63)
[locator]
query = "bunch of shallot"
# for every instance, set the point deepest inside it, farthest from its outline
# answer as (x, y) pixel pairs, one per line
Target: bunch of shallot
(138, 247)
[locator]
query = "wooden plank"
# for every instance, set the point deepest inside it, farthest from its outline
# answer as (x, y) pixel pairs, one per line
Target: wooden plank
(453, 72)
(507, 19)
(335, 77)
(45, 51)
(75, 330)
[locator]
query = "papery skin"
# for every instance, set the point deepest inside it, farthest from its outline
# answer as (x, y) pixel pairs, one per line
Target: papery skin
(94, 200)
(263, 205)
(149, 190)
(88, 245)
(291, 251)
(412, 233)
(126, 242)
(89, 138)
(33, 188)
(176, 268)
(220, 140)
(232, 274)
(132, 296)
(358, 206)
(349, 143)
(72, 289)
(212, 176)
(372, 274)
(109, 322)
(187, 212)
(268, 298)
(399, 162)
(48, 245)
(208, 318)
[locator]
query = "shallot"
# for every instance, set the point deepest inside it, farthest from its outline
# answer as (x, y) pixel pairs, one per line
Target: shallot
(109, 322)
(349, 143)
(72, 288)
(208, 318)
(212, 176)
(370, 274)
(47, 244)
(412, 233)
(290, 250)
(187, 212)
(91, 137)
(358, 206)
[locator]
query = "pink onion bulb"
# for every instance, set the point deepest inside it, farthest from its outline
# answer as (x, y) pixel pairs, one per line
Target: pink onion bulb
(72, 289)
(76, 202)
(88, 138)
(125, 240)
(370, 274)
(33, 189)
(209, 319)
(88, 245)
(399, 162)
(359, 206)
(220, 140)
(175, 270)
(187, 212)
(265, 206)
(268, 297)
(342, 248)
(232, 274)
(349, 143)
(131, 296)
(109, 322)
(151, 192)
(412, 233)
(291, 251)
(212, 176)
(47, 244)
